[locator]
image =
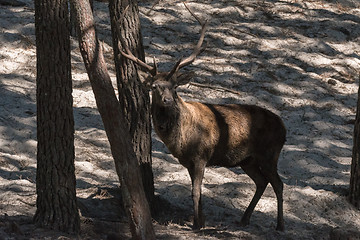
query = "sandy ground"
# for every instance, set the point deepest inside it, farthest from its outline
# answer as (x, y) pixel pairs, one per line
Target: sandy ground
(299, 59)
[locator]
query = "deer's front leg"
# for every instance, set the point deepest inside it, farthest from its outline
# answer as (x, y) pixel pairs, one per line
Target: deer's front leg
(197, 173)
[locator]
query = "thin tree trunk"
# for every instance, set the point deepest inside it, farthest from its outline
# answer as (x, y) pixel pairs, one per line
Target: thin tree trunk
(126, 165)
(55, 175)
(133, 97)
(354, 195)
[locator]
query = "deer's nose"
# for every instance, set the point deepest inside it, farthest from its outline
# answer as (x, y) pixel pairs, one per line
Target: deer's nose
(167, 100)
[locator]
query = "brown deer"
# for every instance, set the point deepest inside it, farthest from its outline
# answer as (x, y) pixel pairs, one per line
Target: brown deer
(201, 135)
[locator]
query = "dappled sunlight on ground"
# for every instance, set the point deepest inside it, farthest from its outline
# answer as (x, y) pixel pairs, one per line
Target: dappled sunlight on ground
(299, 59)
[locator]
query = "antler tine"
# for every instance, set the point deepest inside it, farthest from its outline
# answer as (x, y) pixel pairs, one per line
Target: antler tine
(193, 14)
(174, 70)
(129, 55)
(197, 49)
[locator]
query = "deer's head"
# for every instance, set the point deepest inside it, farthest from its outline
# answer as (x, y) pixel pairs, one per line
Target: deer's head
(163, 84)
(164, 91)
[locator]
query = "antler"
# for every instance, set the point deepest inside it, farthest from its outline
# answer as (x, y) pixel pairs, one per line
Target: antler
(197, 49)
(181, 63)
(129, 54)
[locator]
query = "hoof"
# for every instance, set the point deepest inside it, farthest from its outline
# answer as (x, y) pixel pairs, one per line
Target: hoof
(280, 227)
(198, 226)
(195, 228)
(244, 222)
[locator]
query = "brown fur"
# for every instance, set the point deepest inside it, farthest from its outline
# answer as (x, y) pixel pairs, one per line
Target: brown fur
(231, 135)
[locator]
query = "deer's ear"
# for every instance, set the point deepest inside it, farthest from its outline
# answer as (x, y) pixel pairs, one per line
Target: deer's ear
(145, 78)
(184, 78)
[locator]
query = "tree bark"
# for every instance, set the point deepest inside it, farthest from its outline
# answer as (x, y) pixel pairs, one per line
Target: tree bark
(55, 175)
(126, 165)
(133, 97)
(354, 195)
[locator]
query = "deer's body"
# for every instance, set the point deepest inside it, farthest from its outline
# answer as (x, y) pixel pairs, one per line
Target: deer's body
(201, 135)
(224, 135)
(231, 135)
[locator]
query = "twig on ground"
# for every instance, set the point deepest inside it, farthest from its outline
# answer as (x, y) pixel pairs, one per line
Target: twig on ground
(152, 7)
(215, 87)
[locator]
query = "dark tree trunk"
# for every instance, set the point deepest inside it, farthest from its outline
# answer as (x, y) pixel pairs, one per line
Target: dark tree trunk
(73, 19)
(355, 165)
(133, 97)
(55, 175)
(127, 167)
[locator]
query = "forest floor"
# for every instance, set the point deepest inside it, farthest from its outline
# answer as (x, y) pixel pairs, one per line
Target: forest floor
(297, 58)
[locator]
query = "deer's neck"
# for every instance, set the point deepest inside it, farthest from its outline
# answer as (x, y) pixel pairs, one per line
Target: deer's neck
(167, 122)
(165, 119)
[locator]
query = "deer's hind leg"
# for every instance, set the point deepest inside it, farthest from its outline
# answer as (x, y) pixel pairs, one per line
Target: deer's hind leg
(269, 170)
(253, 171)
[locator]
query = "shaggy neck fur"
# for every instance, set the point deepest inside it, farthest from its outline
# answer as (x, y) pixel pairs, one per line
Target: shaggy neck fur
(166, 118)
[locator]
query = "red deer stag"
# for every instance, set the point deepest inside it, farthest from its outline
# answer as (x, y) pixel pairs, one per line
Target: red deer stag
(201, 135)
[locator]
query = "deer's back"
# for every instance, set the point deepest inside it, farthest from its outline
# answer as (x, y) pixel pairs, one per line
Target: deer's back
(225, 135)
